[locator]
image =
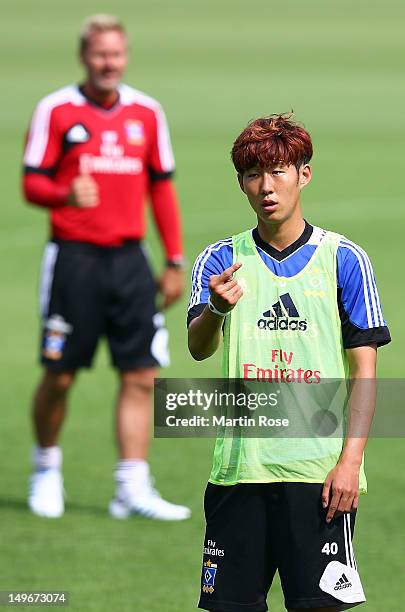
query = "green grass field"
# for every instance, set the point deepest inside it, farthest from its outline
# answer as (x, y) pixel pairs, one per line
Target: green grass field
(214, 66)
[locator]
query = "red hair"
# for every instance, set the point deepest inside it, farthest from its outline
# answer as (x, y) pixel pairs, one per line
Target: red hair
(271, 140)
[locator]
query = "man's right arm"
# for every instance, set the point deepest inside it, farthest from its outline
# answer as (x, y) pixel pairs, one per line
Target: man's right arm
(43, 149)
(204, 332)
(43, 191)
(41, 156)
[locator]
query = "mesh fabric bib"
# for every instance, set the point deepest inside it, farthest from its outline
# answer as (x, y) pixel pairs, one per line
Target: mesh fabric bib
(283, 330)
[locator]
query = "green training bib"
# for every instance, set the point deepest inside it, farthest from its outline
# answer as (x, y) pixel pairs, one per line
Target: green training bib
(284, 330)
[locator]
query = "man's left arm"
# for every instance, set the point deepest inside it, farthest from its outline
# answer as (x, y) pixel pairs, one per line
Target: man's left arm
(165, 208)
(363, 330)
(341, 488)
(166, 214)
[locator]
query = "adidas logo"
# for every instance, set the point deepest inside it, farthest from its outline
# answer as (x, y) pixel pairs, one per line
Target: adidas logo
(342, 583)
(283, 315)
(77, 134)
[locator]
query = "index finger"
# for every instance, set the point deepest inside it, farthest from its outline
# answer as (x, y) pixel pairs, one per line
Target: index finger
(326, 493)
(333, 506)
(227, 274)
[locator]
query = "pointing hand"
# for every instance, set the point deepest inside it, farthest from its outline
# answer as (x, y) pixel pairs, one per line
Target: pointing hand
(225, 290)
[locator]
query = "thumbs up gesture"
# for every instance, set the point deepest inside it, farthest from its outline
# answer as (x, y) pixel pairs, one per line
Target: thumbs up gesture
(84, 192)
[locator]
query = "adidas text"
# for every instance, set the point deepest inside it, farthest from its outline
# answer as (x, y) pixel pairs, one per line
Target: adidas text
(342, 586)
(342, 583)
(283, 323)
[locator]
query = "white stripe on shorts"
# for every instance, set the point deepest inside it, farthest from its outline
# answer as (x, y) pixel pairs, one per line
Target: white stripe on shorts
(46, 277)
(350, 541)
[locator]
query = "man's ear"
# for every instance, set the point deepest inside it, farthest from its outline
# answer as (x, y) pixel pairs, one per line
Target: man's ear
(240, 181)
(305, 175)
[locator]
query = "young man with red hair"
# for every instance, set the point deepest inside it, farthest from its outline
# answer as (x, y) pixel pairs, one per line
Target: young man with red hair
(284, 291)
(95, 153)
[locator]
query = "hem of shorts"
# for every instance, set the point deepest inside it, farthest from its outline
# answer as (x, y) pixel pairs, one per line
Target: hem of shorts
(231, 606)
(146, 363)
(328, 602)
(362, 491)
(56, 366)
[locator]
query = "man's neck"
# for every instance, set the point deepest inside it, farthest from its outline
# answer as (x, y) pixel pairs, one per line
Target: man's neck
(106, 99)
(280, 236)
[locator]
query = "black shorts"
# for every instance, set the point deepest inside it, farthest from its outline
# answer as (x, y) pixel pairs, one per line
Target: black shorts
(87, 292)
(253, 530)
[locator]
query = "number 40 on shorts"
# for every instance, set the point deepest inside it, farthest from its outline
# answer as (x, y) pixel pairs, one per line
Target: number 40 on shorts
(330, 548)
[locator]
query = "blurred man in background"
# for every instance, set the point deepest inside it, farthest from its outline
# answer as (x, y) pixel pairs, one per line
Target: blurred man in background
(93, 155)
